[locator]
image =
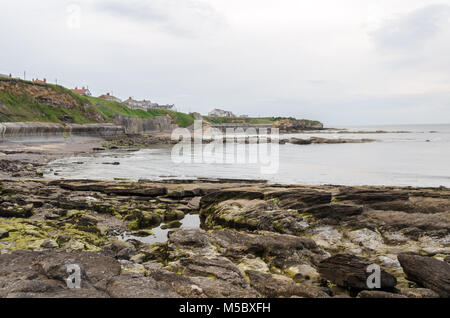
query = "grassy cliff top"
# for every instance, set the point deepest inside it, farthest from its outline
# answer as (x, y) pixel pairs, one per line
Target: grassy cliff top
(261, 120)
(25, 101)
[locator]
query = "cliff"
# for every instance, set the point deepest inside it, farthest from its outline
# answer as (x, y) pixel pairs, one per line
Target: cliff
(24, 101)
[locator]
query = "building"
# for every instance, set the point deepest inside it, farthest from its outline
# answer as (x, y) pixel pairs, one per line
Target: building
(167, 107)
(220, 113)
(36, 80)
(136, 104)
(108, 96)
(82, 91)
(146, 105)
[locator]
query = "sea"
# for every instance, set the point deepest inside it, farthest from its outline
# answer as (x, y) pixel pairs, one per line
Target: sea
(403, 155)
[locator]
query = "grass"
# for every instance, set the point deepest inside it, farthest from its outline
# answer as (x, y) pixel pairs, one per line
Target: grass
(22, 107)
(255, 121)
(18, 105)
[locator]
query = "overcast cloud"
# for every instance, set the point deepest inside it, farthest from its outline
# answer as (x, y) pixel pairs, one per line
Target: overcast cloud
(341, 62)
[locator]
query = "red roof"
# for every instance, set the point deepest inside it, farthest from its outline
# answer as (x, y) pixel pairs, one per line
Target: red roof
(80, 91)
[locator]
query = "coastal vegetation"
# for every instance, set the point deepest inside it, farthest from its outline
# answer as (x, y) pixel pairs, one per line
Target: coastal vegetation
(25, 101)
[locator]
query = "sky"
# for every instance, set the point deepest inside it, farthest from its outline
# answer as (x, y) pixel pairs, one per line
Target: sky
(347, 62)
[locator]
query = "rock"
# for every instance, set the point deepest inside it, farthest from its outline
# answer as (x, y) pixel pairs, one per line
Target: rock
(318, 140)
(138, 258)
(447, 259)
(8, 210)
(194, 204)
(3, 234)
(371, 195)
(418, 293)
(213, 267)
(49, 243)
(229, 194)
(278, 250)
(367, 238)
(193, 287)
(413, 224)
(272, 286)
(303, 273)
(74, 245)
(171, 225)
(44, 273)
(335, 211)
(173, 215)
(351, 271)
(189, 237)
(299, 141)
(120, 249)
(254, 215)
(389, 261)
(298, 198)
(130, 286)
(253, 263)
(427, 272)
(133, 268)
(378, 294)
(96, 266)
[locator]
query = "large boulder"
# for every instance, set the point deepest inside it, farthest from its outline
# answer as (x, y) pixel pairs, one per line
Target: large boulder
(130, 286)
(428, 272)
(271, 285)
(350, 271)
(254, 215)
(44, 274)
(193, 287)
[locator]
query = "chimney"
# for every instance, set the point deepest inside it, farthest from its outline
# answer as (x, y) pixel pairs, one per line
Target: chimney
(45, 80)
(82, 87)
(10, 75)
(107, 94)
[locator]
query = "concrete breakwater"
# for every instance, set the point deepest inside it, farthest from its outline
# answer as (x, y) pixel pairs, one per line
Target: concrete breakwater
(122, 125)
(8, 130)
(138, 125)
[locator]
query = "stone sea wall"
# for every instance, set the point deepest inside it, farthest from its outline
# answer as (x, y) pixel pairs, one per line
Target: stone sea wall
(138, 125)
(10, 130)
(122, 125)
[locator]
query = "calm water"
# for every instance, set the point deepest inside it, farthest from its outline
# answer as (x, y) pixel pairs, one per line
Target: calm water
(419, 158)
(190, 221)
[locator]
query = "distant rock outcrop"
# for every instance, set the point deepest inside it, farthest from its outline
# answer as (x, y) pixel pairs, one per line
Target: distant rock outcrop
(293, 125)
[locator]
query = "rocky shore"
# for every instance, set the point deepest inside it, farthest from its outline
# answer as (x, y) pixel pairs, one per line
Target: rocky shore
(144, 141)
(255, 239)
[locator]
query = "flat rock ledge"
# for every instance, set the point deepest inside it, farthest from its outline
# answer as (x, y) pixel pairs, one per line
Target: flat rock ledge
(254, 239)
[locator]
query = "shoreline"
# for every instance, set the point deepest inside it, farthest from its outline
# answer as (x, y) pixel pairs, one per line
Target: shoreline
(254, 239)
